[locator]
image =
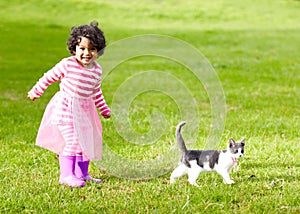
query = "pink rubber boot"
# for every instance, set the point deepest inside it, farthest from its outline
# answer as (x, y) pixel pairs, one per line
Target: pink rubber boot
(82, 170)
(67, 169)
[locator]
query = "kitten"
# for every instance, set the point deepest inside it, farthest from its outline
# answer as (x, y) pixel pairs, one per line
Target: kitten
(193, 162)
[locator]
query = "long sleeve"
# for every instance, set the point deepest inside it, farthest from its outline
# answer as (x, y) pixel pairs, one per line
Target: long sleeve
(100, 102)
(48, 78)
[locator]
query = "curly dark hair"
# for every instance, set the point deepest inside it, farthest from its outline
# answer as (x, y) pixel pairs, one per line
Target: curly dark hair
(92, 32)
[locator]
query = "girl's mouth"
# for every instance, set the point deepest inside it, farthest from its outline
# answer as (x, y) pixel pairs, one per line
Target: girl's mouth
(86, 58)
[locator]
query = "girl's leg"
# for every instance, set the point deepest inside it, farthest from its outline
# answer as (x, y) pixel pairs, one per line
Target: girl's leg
(82, 168)
(72, 147)
(67, 159)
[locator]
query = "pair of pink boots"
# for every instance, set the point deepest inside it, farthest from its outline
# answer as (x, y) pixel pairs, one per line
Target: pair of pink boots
(74, 171)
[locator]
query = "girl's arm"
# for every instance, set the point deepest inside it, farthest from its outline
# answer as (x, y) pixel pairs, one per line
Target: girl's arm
(48, 78)
(101, 104)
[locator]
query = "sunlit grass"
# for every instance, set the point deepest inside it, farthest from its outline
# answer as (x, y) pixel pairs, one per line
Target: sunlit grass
(252, 45)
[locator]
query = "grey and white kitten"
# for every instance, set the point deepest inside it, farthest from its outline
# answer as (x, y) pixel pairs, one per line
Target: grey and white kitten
(193, 162)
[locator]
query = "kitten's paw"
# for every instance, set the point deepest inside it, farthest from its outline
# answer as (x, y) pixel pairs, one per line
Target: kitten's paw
(194, 184)
(229, 182)
(172, 180)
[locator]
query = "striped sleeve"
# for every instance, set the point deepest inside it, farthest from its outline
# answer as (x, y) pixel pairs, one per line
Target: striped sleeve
(50, 77)
(100, 102)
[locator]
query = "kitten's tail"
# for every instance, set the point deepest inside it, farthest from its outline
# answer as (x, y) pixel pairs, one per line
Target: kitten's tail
(181, 144)
(179, 138)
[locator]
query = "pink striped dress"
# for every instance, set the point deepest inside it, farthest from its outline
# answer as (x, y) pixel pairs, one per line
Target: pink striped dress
(71, 124)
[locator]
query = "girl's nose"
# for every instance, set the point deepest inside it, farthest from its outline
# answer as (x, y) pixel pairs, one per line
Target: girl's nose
(86, 52)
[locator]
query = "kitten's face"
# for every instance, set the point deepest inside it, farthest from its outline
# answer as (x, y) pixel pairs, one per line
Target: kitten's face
(236, 148)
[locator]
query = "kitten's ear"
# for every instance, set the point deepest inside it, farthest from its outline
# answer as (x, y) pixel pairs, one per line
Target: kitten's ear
(243, 142)
(231, 142)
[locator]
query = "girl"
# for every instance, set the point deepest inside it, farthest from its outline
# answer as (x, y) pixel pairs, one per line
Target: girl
(70, 126)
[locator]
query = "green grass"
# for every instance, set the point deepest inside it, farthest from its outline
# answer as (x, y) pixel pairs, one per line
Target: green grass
(253, 47)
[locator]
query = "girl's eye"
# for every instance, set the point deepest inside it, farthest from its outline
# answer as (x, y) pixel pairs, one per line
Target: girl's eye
(93, 49)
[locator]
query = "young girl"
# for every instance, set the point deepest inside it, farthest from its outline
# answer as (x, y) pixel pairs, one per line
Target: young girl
(70, 126)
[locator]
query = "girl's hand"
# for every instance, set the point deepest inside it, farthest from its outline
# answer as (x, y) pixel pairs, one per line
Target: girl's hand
(31, 97)
(106, 113)
(106, 116)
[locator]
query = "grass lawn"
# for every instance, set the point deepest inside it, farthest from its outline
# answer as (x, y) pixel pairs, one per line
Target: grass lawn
(253, 52)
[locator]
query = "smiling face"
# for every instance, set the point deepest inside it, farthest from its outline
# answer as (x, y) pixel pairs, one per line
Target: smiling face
(86, 53)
